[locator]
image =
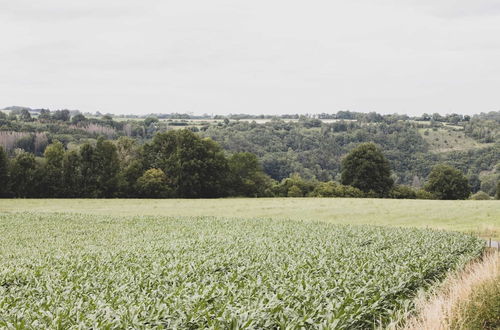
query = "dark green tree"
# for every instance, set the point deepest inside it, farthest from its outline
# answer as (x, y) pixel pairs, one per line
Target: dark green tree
(4, 173)
(88, 171)
(24, 175)
(196, 167)
(53, 170)
(25, 115)
(366, 168)
(78, 118)
(247, 176)
(107, 167)
(72, 174)
(446, 182)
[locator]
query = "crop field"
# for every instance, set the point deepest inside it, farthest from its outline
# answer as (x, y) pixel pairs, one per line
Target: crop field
(101, 271)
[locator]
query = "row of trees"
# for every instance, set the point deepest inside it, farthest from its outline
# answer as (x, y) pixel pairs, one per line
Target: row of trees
(181, 164)
(174, 164)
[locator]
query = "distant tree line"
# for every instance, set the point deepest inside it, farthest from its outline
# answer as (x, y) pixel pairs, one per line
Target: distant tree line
(181, 164)
(174, 164)
(310, 146)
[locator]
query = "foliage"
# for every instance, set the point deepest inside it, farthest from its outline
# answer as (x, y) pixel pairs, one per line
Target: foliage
(247, 177)
(4, 173)
(294, 186)
(480, 195)
(446, 182)
(197, 167)
(402, 192)
(333, 189)
(153, 184)
(424, 194)
(80, 271)
(53, 171)
(24, 175)
(366, 168)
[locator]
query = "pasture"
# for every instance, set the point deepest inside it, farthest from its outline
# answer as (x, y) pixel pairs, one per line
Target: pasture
(65, 271)
(479, 217)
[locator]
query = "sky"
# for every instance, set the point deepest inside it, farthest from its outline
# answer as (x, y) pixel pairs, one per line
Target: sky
(252, 56)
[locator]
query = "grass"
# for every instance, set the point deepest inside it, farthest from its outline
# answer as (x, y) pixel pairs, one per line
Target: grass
(445, 140)
(479, 217)
(468, 299)
(64, 271)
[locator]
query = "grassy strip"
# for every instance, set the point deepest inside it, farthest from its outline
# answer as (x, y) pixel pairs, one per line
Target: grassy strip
(469, 299)
(481, 218)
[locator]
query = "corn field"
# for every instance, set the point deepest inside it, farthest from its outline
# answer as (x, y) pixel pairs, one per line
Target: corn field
(65, 271)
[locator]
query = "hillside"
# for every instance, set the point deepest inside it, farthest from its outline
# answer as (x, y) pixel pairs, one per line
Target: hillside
(311, 146)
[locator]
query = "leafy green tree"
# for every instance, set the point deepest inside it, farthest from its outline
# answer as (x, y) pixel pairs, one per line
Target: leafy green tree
(153, 184)
(25, 115)
(61, 115)
(366, 168)
(196, 167)
(78, 118)
(24, 175)
(4, 173)
(72, 174)
(53, 170)
(446, 182)
(88, 171)
(247, 176)
(107, 168)
(150, 120)
(131, 166)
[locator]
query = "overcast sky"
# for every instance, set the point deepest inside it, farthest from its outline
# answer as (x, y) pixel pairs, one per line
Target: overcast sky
(251, 56)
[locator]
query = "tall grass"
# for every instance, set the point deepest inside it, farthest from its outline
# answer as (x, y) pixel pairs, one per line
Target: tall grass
(469, 299)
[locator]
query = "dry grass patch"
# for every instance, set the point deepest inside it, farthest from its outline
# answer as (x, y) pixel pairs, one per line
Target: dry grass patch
(466, 300)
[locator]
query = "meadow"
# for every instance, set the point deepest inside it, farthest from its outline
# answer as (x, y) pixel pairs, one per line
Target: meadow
(62, 271)
(481, 218)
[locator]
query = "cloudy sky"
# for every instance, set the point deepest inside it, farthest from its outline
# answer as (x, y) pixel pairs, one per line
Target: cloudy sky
(251, 56)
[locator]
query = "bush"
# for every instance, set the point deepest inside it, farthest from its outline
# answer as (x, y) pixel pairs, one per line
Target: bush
(480, 196)
(402, 192)
(295, 191)
(333, 189)
(282, 189)
(153, 184)
(424, 194)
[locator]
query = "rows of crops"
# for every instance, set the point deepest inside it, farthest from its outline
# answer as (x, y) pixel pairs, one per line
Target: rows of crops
(63, 271)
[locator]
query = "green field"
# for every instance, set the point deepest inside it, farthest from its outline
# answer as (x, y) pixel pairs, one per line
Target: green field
(63, 271)
(446, 140)
(479, 217)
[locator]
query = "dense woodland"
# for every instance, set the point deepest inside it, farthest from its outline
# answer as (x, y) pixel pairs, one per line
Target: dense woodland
(69, 154)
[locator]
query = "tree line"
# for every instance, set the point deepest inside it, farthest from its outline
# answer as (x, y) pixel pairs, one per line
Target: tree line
(181, 164)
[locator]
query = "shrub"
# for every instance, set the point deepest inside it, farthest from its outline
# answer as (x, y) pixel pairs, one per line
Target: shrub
(153, 184)
(295, 191)
(333, 189)
(480, 196)
(424, 194)
(402, 192)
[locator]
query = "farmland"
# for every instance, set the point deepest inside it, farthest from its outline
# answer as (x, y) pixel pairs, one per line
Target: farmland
(479, 217)
(82, 270)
